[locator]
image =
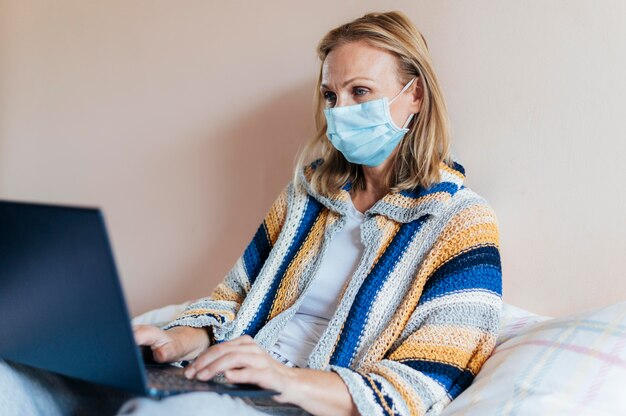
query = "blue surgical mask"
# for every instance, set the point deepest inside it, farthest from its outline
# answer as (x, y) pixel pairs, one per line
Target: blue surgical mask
(365, 133)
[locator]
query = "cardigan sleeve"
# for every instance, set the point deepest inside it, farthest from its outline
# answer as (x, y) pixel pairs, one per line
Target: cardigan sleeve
(220, 308)
(450, 333)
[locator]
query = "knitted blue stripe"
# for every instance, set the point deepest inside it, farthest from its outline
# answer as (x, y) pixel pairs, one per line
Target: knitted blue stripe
(458, 167)
(257, 252)
(452, 378)
(478, 268)
(419, 192)
(363, 303)
(388, 399)
(479, 278)
(312, 211)
(374, 387)
(485, 254)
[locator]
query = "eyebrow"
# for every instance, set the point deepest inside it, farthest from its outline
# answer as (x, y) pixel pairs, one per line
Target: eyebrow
(349, 81)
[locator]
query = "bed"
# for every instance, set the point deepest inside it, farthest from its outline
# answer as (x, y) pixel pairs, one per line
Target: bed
(574, 365)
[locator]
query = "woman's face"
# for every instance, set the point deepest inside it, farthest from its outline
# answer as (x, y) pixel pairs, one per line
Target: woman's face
(357, 72)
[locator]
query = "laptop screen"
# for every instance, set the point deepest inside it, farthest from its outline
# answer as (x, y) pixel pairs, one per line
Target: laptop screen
(61, 304)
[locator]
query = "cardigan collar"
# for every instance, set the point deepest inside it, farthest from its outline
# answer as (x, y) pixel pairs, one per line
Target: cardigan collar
(402, 207)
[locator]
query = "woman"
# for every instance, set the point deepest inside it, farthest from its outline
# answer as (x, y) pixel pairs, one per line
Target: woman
(376, 268)
(373, 285)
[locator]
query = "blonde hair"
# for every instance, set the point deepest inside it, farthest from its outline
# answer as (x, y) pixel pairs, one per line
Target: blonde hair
(426, 144)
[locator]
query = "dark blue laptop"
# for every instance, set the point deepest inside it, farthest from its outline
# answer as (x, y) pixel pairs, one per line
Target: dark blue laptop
(62, 308)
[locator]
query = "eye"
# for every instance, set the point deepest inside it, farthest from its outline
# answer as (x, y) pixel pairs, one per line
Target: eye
(360, 91)
(329, 97)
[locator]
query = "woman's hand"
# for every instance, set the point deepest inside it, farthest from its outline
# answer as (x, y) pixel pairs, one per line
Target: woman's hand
(242, 361)
(175, 344)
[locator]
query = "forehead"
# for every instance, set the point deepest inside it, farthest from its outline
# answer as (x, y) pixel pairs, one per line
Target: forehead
(359, 59)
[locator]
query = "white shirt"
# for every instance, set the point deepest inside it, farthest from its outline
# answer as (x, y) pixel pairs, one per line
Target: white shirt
(298, 338)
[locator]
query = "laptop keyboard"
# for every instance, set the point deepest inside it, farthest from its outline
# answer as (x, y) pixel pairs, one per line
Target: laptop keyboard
(173, 378)
(166, 380)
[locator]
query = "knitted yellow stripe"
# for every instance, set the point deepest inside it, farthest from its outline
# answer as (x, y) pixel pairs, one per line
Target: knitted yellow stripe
(412, 400)
(402, 201)
(308, 172)
(483, 350)
(223, 292)
(452, 242)
(380, 395)
(470, 228)
(287, 292)
(226, 314)
(275, 218)
(452, 171)
(428, 342)
(472, 237)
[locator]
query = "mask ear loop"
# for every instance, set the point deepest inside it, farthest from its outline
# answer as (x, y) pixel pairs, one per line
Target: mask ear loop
(403, 89)
(408, 120)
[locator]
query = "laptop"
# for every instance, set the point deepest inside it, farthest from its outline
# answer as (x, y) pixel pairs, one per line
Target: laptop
(62, 308)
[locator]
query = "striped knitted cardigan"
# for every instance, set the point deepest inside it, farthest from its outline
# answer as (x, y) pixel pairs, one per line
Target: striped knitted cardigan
(416, 320)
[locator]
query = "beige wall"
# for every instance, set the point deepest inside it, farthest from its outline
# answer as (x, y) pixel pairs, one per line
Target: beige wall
(182, 120)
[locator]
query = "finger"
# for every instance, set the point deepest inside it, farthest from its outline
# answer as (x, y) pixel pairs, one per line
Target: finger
(226, 362)
(148, 335)
(217, 351)
(214, 353)
(165, 353)
(249, 375)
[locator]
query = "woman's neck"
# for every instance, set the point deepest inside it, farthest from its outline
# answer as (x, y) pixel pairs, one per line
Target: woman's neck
(376, 186)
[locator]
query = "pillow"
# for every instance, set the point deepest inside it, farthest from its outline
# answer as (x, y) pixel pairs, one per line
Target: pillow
(574, 365)
(513, 319)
